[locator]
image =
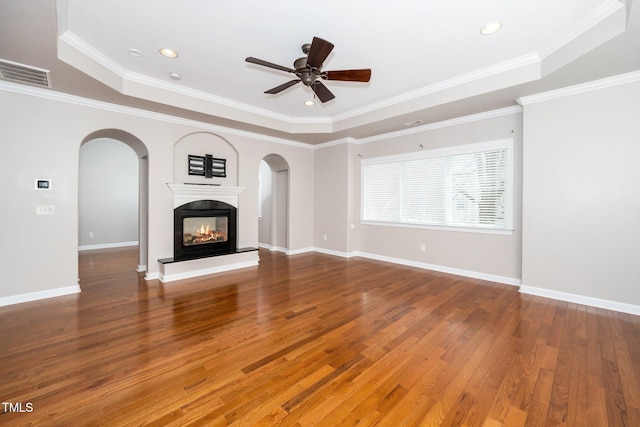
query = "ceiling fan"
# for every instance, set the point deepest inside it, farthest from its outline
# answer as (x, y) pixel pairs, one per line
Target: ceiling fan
(308, 69)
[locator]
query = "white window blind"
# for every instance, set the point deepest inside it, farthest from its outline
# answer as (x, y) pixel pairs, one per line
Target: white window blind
(464, 186)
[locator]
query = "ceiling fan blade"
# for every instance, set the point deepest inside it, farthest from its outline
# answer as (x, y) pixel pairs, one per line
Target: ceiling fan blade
(282, 87)
(348, 75)
(318, 52)
(322, 92)
(269, 64)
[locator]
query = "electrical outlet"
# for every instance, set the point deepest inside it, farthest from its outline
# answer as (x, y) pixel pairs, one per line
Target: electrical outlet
(91, 234)
(423, 248)
(324, 237)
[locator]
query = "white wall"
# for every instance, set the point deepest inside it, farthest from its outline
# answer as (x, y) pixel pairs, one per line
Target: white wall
(581, 204)
(41, 136)
(108, 193)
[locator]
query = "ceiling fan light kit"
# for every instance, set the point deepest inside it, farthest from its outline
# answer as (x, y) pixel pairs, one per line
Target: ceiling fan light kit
(308, 70)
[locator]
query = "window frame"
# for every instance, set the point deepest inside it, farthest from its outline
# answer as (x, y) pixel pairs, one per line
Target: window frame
(499, 144)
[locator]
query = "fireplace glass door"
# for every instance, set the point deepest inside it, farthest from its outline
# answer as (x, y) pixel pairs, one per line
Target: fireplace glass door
(204, 230)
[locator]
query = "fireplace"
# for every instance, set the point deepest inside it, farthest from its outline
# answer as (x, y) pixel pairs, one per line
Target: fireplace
(205, 232)
(204, 228)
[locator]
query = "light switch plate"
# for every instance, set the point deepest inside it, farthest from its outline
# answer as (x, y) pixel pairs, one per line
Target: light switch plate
(45, 209)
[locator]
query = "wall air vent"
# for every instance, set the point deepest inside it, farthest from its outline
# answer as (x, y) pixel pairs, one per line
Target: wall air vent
(20, 73)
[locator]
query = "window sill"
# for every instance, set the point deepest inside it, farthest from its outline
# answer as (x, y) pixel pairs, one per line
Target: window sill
(505, 232)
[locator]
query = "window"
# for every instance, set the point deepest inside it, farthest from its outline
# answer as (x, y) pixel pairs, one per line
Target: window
(465, 186)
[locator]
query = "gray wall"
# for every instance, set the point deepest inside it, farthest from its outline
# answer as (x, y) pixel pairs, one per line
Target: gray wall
(48, 128)
(337, 205)
(264, 225)
(107, 194)
(575, 209)
(582, 194)
(330, 197)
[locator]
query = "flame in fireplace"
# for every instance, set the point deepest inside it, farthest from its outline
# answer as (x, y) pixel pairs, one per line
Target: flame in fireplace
(204, 234)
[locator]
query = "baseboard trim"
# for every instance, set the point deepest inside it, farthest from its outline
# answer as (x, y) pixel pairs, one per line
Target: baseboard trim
(425, 266)
(107, 246)
(152, 276)
(335, 253)
(35, 296)
(580, 299)
(444, 269)
(299, 251)
(281, 249)
(272, 248)
(165, 278)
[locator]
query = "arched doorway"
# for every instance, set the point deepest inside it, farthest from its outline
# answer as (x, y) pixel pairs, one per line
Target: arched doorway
(273, 203)
(113, 166)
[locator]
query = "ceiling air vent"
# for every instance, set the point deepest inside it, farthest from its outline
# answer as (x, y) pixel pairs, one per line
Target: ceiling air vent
(20, 73)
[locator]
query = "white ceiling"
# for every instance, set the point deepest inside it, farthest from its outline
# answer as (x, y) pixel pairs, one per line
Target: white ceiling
(429, 61)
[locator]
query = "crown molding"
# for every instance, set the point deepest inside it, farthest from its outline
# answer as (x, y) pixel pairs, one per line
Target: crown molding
(474, 76)
(515, 109)
(52, 95)
(533, 62)
(176, 89)
(127, 78)
(136, 84)
(80, 54)
(115, 108)
(590, 31)
(585, 24)
(94, 54)
(341, 141)
(605, 83)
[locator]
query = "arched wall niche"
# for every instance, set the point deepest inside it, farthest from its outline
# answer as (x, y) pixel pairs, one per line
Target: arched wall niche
(143, 183)
(201, 144)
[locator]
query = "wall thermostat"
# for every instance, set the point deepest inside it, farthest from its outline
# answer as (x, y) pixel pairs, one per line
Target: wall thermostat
(44, 184)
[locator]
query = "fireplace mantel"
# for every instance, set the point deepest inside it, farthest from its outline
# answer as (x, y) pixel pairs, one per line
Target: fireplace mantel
(187, 193)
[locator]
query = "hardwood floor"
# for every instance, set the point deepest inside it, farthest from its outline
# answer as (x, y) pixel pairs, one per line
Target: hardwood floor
(310, 340)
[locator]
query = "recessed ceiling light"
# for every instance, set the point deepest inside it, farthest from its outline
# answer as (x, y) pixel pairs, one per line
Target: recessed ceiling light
(309, 103)
(135, 52)
(169, 53)
(491, 28)
(175, 76)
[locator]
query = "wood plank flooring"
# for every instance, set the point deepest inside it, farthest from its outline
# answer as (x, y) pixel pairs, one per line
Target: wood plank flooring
(313, 340)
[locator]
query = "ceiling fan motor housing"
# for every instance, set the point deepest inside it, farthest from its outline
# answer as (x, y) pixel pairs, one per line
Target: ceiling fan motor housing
(306, 74)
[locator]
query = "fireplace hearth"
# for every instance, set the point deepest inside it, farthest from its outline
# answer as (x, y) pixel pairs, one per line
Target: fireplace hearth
(204, 228)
